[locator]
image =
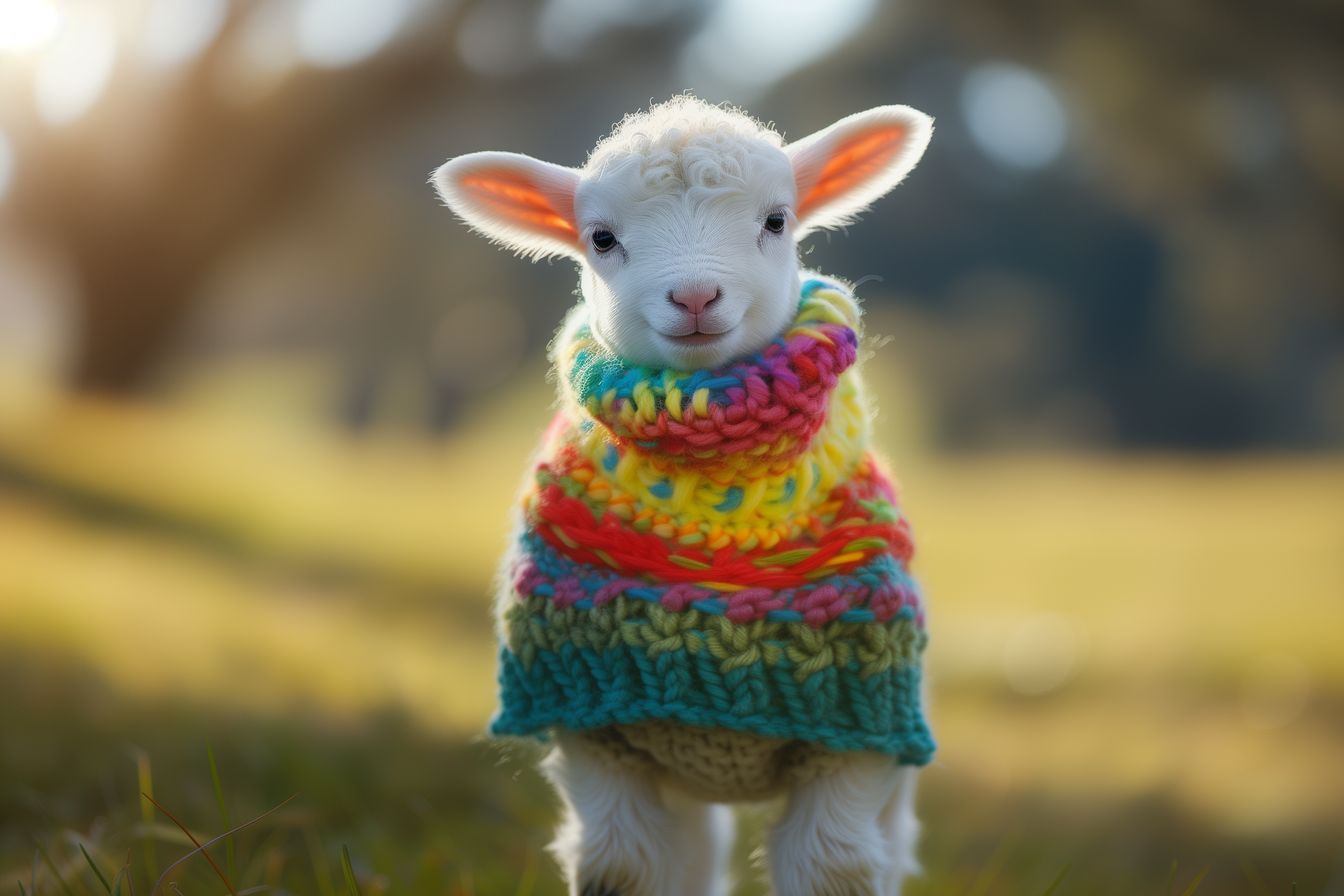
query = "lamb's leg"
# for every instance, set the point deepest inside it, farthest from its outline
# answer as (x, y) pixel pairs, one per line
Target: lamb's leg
(830, 841)
(901, 827)
(617, 837)
(706, 837)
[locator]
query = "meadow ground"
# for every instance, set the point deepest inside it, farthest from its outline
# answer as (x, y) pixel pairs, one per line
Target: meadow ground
(1136, 663)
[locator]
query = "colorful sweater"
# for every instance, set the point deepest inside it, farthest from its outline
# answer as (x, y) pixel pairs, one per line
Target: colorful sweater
(716, 548)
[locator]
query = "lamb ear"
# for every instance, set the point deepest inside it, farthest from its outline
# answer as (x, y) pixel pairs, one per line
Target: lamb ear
(522, 202)
(841, 170)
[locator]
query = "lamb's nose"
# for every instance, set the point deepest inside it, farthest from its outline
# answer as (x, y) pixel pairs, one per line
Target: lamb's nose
(695, 298)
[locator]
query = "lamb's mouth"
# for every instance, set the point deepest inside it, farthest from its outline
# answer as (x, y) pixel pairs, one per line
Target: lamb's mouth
(697, 337)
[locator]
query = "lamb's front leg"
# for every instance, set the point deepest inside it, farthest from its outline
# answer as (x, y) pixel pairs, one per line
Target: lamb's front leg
(901, 828)
(705, 837)
(833, 839)
(617, 835)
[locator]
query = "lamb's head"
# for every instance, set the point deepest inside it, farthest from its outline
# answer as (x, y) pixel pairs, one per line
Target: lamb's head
(685, 220)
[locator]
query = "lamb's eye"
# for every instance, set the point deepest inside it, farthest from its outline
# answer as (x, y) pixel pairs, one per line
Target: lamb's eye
(604, 240)
(774, 222)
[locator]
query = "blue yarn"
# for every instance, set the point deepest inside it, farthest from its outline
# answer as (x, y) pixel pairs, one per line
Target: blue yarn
(581, 688)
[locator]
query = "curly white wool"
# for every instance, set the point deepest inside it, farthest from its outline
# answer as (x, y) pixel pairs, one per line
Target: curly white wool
(686, 143)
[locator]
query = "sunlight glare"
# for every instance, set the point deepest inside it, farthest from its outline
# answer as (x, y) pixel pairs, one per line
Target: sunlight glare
(75, 70)
(335, 33)
(27, 24)
(747, 45)
(174, 31)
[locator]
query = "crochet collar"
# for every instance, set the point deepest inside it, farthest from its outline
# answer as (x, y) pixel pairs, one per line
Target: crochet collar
(757, 413)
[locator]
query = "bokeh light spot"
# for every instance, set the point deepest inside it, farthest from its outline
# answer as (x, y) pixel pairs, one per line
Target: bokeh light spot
(37, 328)
(6, 165)
(1014, 116)
(27, 24)
(75, 70)
(748, 45)
(566, 27)
(1040, 654)
(260, 55)
(174, 32)
(335, 33)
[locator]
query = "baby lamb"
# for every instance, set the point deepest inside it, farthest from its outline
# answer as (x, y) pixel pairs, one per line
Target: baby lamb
(708, 597)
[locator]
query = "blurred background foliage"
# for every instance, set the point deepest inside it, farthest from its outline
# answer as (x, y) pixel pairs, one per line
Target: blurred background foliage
(263, 406)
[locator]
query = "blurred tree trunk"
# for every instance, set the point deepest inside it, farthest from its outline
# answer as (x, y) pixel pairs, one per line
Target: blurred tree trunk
(138, 259)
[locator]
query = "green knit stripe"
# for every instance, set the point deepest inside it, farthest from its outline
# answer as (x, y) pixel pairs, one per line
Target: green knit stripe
(536, 625)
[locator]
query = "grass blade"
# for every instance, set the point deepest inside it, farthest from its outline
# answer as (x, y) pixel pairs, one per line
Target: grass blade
(107, 888)
(22, 891)
(268, 855)
(1199, 879)
(527, 881)
(1059, 878)
(321, 870)
(51, 866)
(229, 859)
(196, 843)
(209, 843)
(145, 780)
(348, 871)
(126, 875)
(993, 868)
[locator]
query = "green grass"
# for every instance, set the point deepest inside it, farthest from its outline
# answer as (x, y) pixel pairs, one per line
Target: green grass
(417, 813)
(1136, 672)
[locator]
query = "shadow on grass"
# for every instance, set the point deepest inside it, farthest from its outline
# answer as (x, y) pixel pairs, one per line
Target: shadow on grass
(423, 814)
(241, 549)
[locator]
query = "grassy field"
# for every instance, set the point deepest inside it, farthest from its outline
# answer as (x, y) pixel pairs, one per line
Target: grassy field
(1137, 671)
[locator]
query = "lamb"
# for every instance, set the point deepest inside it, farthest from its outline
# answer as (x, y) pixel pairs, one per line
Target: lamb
(708, 599)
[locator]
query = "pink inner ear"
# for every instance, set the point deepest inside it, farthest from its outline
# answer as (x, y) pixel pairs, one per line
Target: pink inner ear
(520, 201)
(857, 158)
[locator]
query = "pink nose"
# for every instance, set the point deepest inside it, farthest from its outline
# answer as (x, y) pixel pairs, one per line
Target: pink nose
(695, 298)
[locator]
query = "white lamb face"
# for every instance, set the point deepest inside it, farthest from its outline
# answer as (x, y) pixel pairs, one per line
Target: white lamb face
(692, 262)
(685, 220)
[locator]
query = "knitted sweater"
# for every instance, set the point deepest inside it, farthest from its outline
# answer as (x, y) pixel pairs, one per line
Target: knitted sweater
(716, 549)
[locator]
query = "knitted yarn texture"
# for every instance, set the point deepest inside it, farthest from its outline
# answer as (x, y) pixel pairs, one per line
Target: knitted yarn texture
(716, 548)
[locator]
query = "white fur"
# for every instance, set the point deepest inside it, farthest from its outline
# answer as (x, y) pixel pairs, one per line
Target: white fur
(686, 188)
(624, 833)
(901, 828)
(847, 833)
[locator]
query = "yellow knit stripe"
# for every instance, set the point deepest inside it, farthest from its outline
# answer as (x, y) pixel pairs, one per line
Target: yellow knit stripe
(768, 503)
